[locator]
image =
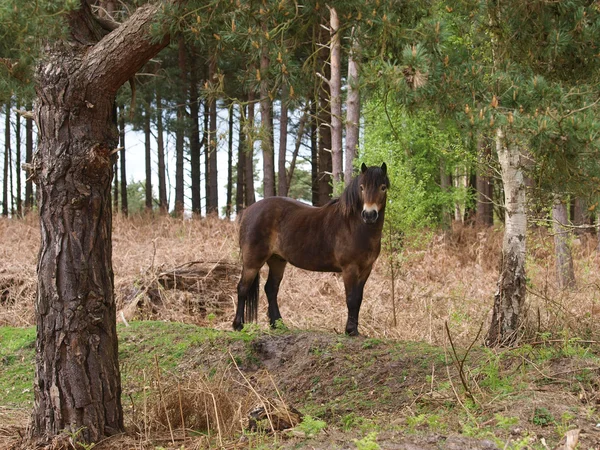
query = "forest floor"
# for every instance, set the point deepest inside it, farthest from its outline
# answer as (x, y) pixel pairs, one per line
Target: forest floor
(399, 386)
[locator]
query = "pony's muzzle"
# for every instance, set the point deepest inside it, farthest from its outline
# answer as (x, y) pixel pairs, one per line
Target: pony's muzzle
(369, 215)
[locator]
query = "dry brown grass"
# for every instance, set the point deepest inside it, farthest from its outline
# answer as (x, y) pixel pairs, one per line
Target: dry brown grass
(451, 278)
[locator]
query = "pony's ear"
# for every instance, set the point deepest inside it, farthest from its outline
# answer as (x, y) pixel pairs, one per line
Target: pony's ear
(363, 168)
(384, 168)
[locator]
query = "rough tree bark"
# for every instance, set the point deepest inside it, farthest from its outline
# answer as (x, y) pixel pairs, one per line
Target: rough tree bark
(324, 123)
(335, 86)
(314, 154)
(77, 379)
(565, 274)
(352, 110)
(510, 297)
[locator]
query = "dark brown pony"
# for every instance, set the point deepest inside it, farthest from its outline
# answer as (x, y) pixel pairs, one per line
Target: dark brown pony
(342, 236)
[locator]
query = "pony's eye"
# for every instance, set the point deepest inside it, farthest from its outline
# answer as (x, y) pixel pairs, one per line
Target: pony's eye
(383, 188)
(362, 188)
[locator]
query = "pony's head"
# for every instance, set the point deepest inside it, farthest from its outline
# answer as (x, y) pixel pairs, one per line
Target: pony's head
(373, 184)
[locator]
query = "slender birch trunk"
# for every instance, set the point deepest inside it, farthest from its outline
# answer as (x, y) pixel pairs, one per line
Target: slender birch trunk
(510, 297)
(335, 85)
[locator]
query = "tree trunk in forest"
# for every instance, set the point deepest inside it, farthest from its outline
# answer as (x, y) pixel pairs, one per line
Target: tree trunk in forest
(352, 110)
(229, 165)
(314, 154)
(163, 202)
(204, 144)
(565, 274)
(180, 128)
(282, 180)
(148, 158)
(77, 389)
(213, 195)
(18, 162)
(6, 167)
(266, 131)
(510, 297)
(241, 165)
(195, 139)
(124, 204)
(335, 86)
(301, 127)
(324, 124)
(445, 185)
(484, 214)
(28, 156)
(249, 193)
(581, 216)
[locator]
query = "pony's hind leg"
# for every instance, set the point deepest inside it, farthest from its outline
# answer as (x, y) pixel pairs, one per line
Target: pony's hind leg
(247, 290)
(276, 269)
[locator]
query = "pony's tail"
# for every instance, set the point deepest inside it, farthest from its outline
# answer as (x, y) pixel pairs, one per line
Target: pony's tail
(252, 300)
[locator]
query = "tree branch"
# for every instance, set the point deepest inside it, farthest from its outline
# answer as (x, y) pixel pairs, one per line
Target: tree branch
(121, 53)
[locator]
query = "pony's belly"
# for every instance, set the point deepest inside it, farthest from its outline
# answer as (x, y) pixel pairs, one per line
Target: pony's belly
(315, 266)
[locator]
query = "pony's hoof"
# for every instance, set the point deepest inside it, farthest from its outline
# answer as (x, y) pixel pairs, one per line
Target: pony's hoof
(237, 326)
(353, 332)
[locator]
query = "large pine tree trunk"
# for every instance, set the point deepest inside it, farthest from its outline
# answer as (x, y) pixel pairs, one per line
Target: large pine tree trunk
(510, 297)
(124, 204)
(163, 202)
(352, 111)
(77, 380)
(335, 85)
(565, 274)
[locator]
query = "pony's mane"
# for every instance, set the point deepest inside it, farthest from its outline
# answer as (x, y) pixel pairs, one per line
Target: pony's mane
(349, 202)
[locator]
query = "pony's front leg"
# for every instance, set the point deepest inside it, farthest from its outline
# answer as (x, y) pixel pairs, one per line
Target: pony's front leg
(354, 282)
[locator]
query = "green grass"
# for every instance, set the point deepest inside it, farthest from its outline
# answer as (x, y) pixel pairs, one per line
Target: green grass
(17, 356)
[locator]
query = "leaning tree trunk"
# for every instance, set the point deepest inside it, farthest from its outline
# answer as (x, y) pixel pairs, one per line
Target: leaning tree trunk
(565, 274)
(77, 379)
(510, 297)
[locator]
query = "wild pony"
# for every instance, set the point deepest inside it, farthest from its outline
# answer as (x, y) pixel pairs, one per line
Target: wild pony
(342, 236)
